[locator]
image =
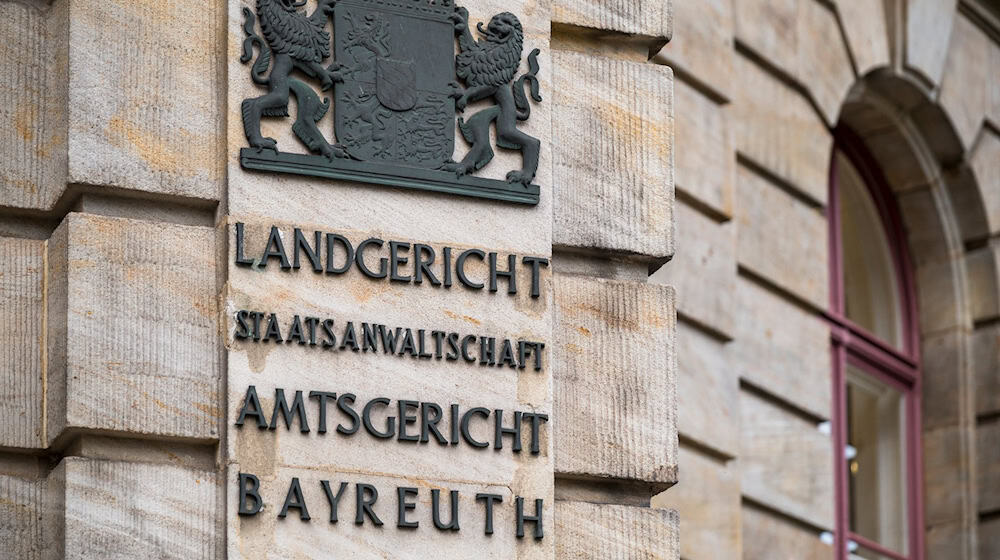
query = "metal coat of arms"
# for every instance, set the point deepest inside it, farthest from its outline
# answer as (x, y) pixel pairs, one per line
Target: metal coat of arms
(394, 80)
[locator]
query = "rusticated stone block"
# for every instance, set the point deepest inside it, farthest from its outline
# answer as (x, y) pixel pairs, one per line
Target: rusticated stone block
(25, 531)
(986, 362)
(708, 497)
(120, 510)
(782, 239)
(769, 536)
(708, 384)
(803, 39)
(613, 175)
(146, 81)
(778, 129)
(706, 168)
(989, 538)
(33, 62)
(983, 273)
(704, 269)
(867, 36)
(940, 352)
(928, 30)
(614, 373)
(967, 78)
(615, 532)
(786, 462)
(988, 467)
(945, 454)
(22, 273)
(705, 48)
(782, 348)
(650, 18)
(986, 166)
(133, 328)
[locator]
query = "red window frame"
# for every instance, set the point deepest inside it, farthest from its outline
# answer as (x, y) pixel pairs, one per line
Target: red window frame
(852, 344)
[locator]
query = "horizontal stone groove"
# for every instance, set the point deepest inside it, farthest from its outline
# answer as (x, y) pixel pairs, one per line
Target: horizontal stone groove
(776, 72)
(777, 290)
(801, 523)
(780, 402)
(704, 449)
(777, 181)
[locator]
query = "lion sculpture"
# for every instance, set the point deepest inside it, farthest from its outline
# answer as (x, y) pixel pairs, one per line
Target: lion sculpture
(488, 68)
(296, 42)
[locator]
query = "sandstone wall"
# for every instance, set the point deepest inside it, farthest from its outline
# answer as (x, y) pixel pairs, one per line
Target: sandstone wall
(119, 290)
(761, 87)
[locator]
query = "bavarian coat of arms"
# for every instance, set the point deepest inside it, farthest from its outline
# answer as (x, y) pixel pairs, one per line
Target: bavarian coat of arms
(397, 86)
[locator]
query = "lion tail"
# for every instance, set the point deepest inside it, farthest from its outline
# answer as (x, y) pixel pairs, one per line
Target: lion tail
(264, 60)
(520, 100)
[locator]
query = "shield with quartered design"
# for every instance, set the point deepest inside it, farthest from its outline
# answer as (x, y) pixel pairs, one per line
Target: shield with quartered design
(386, 111)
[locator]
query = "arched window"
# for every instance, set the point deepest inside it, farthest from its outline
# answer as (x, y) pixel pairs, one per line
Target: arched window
(876, 423)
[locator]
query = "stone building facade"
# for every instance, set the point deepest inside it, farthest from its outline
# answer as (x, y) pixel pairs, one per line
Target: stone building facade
(693, 380)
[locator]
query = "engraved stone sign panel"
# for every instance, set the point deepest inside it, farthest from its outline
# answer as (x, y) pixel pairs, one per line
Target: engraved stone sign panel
(405, 359)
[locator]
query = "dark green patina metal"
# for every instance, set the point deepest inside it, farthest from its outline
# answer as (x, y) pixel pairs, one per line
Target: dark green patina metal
(395, 94)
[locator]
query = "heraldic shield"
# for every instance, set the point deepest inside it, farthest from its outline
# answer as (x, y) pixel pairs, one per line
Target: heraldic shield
(396, 85)
(394, 103)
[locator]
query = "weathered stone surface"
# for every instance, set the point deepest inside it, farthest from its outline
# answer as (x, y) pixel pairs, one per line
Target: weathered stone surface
(615, 532)
(983, 273)
(785, 462)
(33, 61)
(824, 66)
(133, 328)
(782, 348)
(782, 239)
(923, 222)
(22, 273)
(120, 510)
(945, 473)
(947, 540)
(706, 167)
(778, 129)
(613, 175)
(24, 533)
(705, 48)
(985, 162)
(988, 465)
(769, 536)
(989, 538)
(941, 354)
(146, 84)
(278, 455)
(614, 378)
(967, 78)
(867, 36)
(708, 390)
(704, 269)
(938, 295)
(804, 40)
(928, 30)
(651, 18)
(708, 498)
(986, 363)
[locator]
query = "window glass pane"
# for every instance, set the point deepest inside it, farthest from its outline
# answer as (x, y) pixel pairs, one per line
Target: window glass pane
(871, 297)
(876, 460)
